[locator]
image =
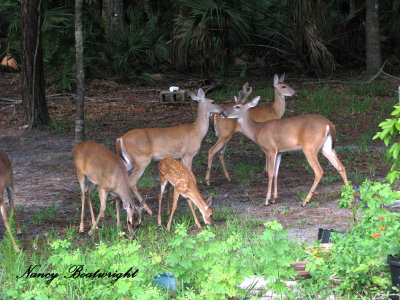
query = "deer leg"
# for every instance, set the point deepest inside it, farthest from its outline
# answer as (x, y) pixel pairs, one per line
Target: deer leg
(103, 199)
(137, 172)
(270, 170)
(174, 204)
(194, 213)
(117, 208)
(222, 159)
(89, 189)
(168, 192)
(81, 179)
(163, 183)
(5, 220)
(276, 171)
(187, 161)
(312, 158)
(333, 158)
(11, 201)
(219, 148)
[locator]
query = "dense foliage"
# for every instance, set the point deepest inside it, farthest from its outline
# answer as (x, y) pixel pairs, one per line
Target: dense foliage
(216, 37)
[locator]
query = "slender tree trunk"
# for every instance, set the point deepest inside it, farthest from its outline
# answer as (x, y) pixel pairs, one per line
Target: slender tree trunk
(80, 75)
(33, 85)
(373, 38)
(115, 20)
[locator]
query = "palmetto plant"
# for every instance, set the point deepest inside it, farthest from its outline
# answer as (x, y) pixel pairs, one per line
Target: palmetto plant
(208, 33)
(140, 44)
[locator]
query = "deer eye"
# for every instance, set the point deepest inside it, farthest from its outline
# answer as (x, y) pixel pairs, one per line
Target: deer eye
(283, 86)
(237, 106)
(212, 102)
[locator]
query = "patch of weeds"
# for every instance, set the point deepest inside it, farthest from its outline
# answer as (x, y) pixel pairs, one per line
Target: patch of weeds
(328, 220)
(302, 195)
(332, 195)
(245, 171)
(266, 93)
(281, 210)
(45, 214)
(375, 88)
(324, 102)
(358, 177)
(22, 140)
(372, 167)
(329, 178)
(223, 213)
(225, 94)
(314, 204)
(359, 107)
(58, 126)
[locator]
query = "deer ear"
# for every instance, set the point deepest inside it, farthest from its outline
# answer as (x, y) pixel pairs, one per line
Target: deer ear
(254, 102)
(201, 94)
(208, 202)
(276, 80)
(282, 78)
(236, 99)
(194, 96)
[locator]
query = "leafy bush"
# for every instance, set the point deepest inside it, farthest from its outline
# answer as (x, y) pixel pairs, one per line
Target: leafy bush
(358, 258)
(390, 131)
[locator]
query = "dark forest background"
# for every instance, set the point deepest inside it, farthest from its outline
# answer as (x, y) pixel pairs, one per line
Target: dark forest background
(128, 39)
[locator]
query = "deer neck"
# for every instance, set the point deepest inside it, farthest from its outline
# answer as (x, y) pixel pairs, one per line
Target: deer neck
(279, 104)
(196, 198)
(202, 121)
(248, 126)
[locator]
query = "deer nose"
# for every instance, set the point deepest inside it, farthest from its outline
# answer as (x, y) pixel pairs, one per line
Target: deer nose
(296, 93)
(223, 114)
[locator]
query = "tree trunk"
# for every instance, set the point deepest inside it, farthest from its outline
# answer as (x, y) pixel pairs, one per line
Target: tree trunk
(115, 19)
(372, 38)
(80, 76)
(33, 85)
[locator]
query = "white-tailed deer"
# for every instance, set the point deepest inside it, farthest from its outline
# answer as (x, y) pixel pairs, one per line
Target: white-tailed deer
(225, 128)
(139, 146)
(7, 182)
(97, 165)
(184, 182)
(310, 133)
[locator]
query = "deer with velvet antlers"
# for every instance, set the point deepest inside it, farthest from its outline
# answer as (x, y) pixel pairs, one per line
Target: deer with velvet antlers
(225, 128)
(309, 133)
(184, 183)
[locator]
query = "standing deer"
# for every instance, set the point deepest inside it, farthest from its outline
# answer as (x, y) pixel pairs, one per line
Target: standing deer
(225, 128)
(7, 182)
(310, 133)
(139, 146)
(97, 165)
(184, 183)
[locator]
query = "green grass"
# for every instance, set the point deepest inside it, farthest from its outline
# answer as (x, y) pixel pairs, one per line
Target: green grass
(149, 176)
(244, 170)
(45, 214)
(375, 88)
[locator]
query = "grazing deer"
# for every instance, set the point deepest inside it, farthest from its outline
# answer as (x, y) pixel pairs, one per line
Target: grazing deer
(225, 128)
(184, 183)
(310, 133)
(139, 146)
(7, 182)
(97, 165)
